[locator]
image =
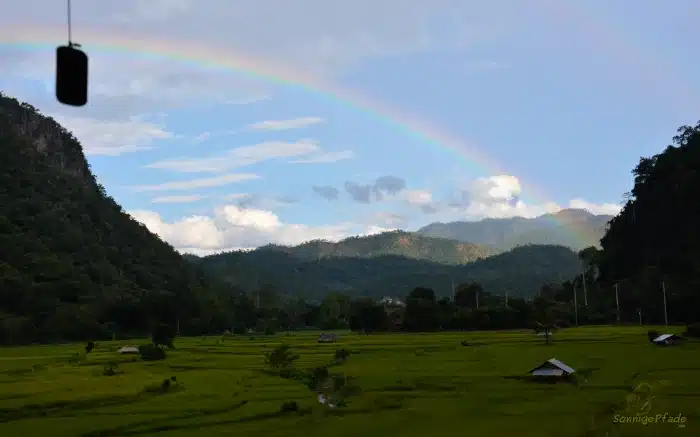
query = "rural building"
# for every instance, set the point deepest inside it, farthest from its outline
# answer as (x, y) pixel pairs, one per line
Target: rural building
(667, 339)
(326, 338)
(129, 350)
(552, 368)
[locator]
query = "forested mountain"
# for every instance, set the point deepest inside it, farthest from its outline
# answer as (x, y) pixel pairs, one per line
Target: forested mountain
(73, 264)
(654, 243)
(520, 272)
(396, 243)
(574, 228)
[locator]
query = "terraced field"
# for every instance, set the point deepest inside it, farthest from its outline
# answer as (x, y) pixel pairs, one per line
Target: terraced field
(409, 385)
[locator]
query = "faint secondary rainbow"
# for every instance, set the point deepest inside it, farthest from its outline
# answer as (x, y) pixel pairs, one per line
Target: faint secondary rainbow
(46, 39)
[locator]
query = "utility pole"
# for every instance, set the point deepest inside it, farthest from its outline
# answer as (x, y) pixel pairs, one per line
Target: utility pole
(575, 305)
(617, 302)
(639, 311)
(477, 299)
(663, 288)
(454, 294)
(506, 298)
(585, 292)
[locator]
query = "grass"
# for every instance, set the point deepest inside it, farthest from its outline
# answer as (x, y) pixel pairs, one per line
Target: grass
(411, 385)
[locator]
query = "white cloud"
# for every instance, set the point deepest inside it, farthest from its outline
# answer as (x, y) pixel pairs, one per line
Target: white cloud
(417, 197)
(276, 125)
(241, 156)
(501, 188)
(191, 184)
(231, 226)
(202, 137)
(593, 208)
(236, 196)
(326, 157)
(499, 197)
(113, 138)
(176, 199)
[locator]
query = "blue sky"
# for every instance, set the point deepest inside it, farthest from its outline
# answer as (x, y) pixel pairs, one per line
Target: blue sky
(561, 97)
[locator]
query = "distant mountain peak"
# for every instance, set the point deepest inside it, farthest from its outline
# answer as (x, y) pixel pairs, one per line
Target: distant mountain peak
(506, 233)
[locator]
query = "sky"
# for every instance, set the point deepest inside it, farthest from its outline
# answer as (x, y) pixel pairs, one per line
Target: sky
(351, 118)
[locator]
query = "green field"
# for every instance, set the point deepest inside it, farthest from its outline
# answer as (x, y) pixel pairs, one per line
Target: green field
(411, 385)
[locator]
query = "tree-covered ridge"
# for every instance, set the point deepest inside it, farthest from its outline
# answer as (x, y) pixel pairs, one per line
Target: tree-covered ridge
(572, 228)
(73, 263)
(520, 272)
(394, 243)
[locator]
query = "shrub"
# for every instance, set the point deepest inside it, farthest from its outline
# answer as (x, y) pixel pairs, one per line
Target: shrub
(652, 334)
(163, 334)
(464, 343)
(318, 376)
(280, 357)
(270, 330)
(110, 369)
(288, 407)
(239, 329)
(342, 354)
(149, 352)
(89, 347)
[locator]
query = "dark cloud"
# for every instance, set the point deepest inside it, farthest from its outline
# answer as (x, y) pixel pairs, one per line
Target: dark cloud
(389, 185)
(382, 186)
(429, 209)
(264, 202)
(359, 193)
(326, 191)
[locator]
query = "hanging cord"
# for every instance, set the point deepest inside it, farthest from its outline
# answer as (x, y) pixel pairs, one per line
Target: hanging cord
(70, 26)
(70, 43)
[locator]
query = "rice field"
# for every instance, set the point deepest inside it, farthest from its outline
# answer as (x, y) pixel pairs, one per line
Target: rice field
(409, 385)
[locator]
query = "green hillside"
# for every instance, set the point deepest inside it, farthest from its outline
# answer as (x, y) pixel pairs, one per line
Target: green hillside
(396, 243)
(73, 264)
(520, 272)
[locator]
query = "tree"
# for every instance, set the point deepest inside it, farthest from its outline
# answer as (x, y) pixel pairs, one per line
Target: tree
(421, 313)
(655, 237)
(467, 295)
(280, 357)
(367, 316)
(163, 335)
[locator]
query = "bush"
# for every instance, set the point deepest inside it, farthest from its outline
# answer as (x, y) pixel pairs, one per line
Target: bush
(464, 343)
(318, 376)
(89, 347)
(288, 407)
(110, 369)
(692, 330)
(280, 357)
(652, 334)
(149, 352)
(270, 331)
(238, 329)
(342, 354)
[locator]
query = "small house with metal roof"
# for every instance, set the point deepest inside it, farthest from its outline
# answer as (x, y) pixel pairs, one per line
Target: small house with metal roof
(667, 339)
(326, 338)
(552, 368)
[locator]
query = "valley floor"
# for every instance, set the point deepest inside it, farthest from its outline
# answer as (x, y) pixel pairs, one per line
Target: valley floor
(412, 385)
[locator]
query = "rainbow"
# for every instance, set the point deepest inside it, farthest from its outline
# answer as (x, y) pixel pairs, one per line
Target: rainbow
(206, 56)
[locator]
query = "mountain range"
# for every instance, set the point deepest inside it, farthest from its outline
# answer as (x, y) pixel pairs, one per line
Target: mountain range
(574, 228)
